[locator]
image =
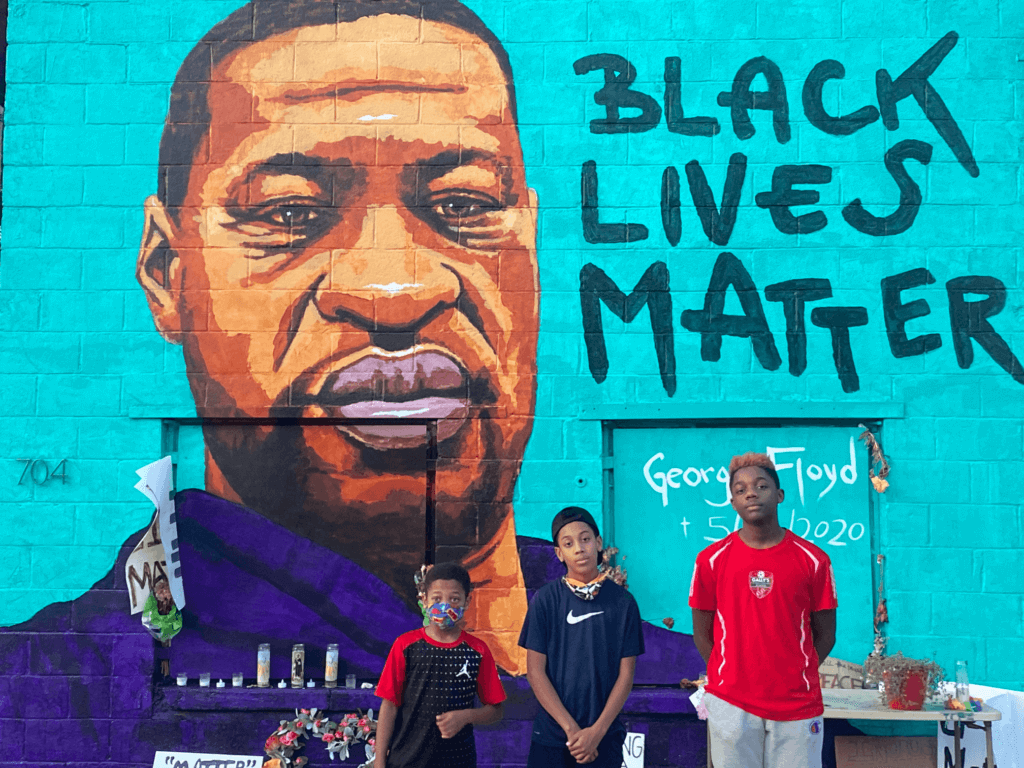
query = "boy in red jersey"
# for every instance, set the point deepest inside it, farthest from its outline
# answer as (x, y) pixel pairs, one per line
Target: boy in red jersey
(763, 603)
(430, 681)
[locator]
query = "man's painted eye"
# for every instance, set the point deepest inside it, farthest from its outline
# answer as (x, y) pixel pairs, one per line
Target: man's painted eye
(463, 208)
(293, 215)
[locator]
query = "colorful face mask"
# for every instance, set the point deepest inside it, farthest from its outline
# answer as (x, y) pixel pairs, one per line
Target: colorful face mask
(444, 615)
(584, 591)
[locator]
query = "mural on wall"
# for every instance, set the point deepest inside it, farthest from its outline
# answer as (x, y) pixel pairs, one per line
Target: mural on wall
(344, 227)
(344, 233)
(342, 239)
(968, 317)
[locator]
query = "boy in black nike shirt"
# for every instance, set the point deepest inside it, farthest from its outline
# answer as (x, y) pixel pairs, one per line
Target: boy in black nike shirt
(582, 635)
(430, 681)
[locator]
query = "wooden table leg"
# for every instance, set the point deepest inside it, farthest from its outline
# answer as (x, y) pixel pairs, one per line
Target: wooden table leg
(988, 745)
(956, 745)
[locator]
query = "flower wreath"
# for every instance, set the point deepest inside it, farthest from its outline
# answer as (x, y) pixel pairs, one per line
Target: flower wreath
(338, 736)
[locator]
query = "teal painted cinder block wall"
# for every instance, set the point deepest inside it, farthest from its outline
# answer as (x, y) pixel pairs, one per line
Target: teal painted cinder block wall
(85, 377)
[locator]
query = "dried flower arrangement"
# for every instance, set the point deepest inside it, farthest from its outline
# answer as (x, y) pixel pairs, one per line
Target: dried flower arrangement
(338, 736)
(608, 571)
(908, 682)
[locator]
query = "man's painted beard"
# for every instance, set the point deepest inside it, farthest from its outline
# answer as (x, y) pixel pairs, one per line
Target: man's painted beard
(373, 511)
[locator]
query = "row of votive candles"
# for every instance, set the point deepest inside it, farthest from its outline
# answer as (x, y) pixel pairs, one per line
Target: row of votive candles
(298, 668)
(204, 680)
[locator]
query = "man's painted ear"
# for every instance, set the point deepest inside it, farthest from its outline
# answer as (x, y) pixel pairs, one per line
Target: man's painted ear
(533, 223)
(158, 270)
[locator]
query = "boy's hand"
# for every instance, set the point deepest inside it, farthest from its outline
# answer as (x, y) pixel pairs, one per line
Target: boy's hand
(583, 744)
(450, 723)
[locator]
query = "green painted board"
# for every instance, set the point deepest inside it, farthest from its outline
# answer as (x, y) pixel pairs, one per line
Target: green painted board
(671, 499)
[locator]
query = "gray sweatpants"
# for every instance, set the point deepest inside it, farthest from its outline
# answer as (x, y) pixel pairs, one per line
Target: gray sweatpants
(742, 740)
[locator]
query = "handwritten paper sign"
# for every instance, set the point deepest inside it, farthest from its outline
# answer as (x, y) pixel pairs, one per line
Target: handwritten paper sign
(145, 565)
(197, 760)
(160, 544)
(633, 751)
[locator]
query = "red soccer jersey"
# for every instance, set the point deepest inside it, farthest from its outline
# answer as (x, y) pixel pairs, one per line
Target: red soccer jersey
(763, 660)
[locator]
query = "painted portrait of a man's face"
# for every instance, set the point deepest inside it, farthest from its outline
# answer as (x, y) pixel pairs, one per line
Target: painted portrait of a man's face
(349, 235)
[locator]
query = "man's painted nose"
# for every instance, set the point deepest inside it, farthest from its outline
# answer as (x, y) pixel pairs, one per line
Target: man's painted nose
(385, 281)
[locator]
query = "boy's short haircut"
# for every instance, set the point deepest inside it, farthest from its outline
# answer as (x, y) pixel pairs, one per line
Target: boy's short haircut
(751, 459)
(448, 572)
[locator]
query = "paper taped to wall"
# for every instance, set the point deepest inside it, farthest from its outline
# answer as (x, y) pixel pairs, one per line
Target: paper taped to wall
(149, 560)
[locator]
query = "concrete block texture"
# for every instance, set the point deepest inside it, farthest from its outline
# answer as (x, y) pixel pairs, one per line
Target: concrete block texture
(734, 215)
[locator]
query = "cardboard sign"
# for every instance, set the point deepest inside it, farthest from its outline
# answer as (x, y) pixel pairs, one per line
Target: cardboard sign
(836, 673)
(202, 760)
(633, 751)
(885, 751)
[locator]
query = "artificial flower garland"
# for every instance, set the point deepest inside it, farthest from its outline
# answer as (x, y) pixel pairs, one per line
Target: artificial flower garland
(338, 736)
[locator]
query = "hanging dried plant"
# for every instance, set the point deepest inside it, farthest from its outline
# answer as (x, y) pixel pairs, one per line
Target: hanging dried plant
(877, 460)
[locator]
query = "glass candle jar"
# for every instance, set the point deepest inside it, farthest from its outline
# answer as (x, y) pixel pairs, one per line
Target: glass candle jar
(331, 671)
(263, 666)
(298, 665)
(238, 678)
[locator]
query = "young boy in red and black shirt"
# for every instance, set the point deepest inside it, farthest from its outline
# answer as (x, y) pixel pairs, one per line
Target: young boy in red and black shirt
(430, 680)
(763, 603)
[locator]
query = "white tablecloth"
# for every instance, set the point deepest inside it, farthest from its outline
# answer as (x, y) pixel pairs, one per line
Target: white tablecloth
(1007, 733)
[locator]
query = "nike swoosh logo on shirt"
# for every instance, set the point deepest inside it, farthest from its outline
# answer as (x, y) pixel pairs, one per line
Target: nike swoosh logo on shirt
(577, 619)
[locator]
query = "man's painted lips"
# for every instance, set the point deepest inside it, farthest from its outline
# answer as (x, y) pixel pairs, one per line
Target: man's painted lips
(409, 385)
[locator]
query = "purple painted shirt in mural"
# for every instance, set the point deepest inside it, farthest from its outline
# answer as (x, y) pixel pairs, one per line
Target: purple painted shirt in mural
(247, 581)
